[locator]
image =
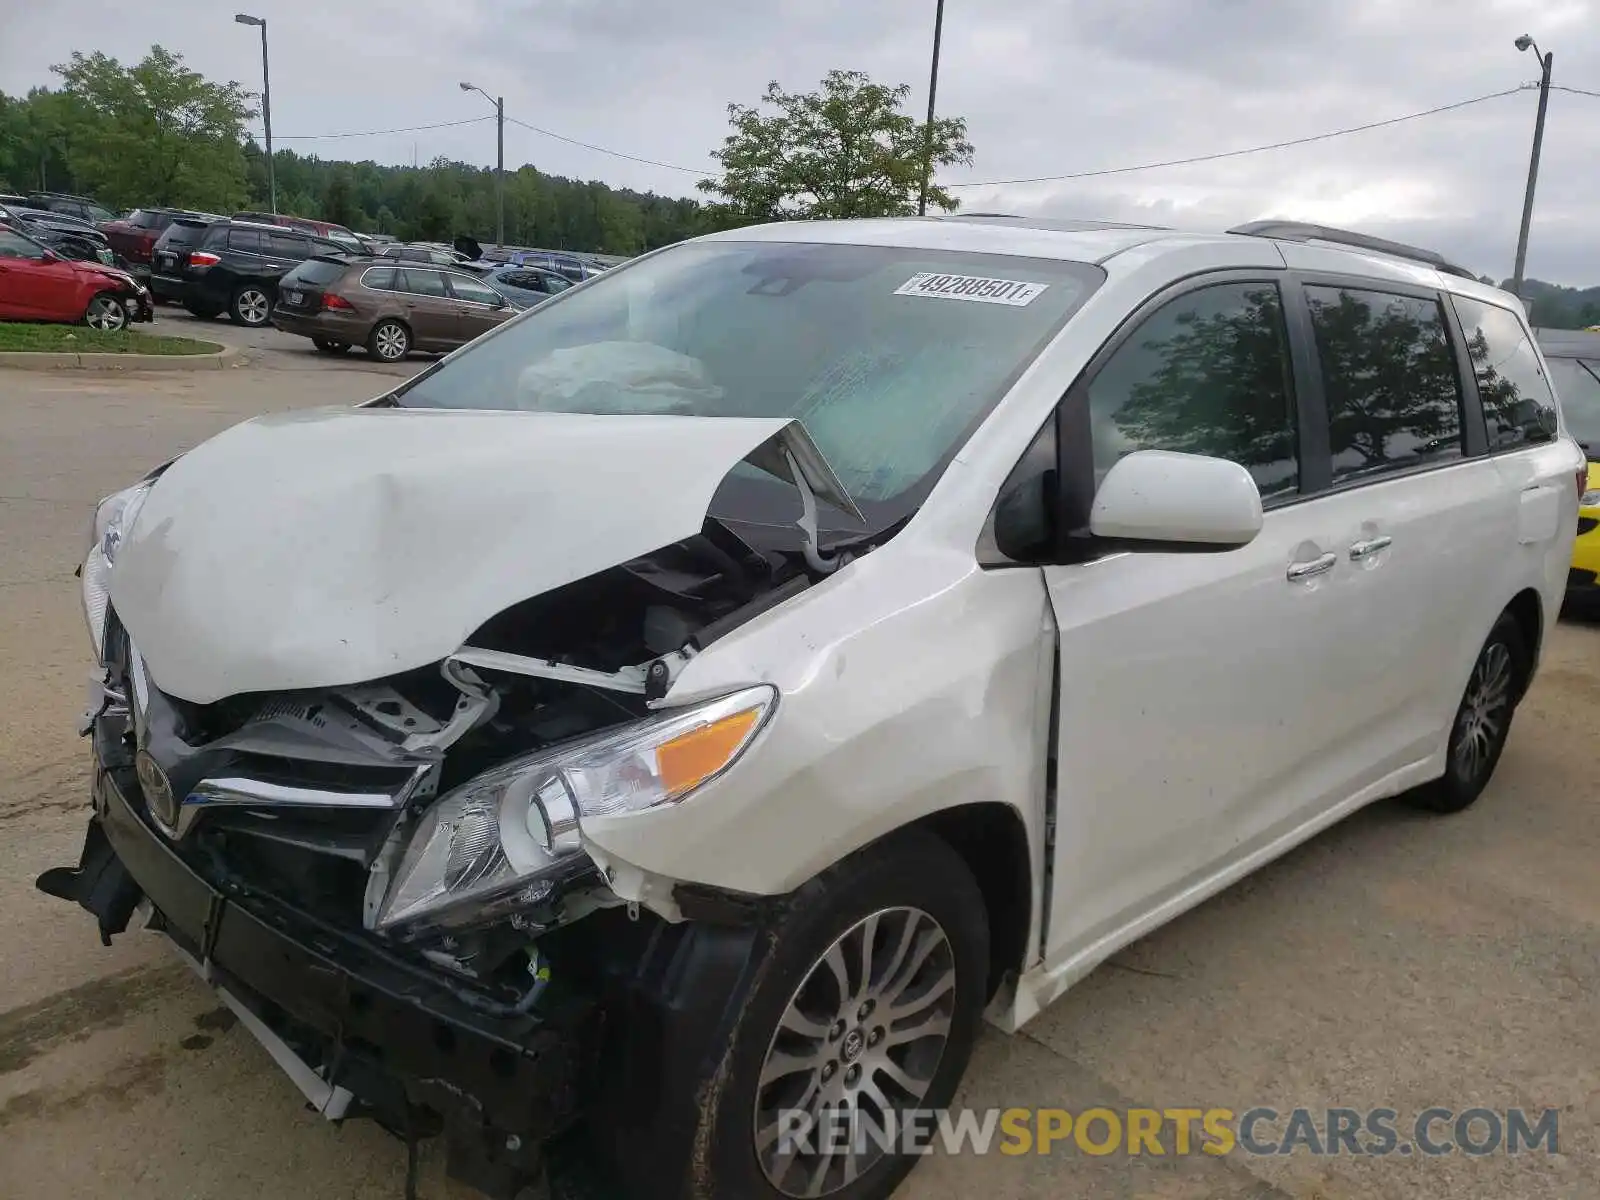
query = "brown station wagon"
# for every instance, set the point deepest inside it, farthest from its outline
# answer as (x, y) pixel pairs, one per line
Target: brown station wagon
(389, 308)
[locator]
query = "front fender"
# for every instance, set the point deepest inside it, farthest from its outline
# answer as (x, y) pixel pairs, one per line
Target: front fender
(909, 683)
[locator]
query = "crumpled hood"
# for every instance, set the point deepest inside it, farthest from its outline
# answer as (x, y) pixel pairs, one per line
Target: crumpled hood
(331, 546)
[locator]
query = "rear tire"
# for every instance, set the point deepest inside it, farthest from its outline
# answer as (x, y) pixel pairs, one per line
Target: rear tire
(107, 313)
(250, 306)
(389, 341)
(1482, 722)
(331, 345)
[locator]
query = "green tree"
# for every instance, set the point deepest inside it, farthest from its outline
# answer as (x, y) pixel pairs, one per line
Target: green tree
(846, 150)
(159, 133)
(35, 133)
(339, 200)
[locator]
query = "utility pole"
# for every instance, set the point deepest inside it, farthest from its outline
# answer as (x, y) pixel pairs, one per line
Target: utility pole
(1546, 62)
(927, 132)
(500, 170)
(499, 103)
(266, 105)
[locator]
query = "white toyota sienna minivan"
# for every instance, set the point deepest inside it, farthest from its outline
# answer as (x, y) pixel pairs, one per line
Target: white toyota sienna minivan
(681, 714)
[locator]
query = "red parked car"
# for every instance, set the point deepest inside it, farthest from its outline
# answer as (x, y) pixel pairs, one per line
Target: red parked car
(37, 284)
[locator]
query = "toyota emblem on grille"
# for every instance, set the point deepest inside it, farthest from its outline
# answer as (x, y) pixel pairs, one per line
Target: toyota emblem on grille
(157, 790)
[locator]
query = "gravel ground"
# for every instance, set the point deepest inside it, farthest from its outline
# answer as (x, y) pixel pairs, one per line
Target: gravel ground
(1396, 960)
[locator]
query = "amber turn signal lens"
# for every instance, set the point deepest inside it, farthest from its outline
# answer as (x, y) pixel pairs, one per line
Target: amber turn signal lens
(689, 759)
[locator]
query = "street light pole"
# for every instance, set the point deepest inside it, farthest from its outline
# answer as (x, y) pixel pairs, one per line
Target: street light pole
(266, 105)
(927, 132)
(1546, 62)
(499, 103)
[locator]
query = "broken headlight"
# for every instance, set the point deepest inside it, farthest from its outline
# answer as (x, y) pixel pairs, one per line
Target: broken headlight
(113, 520)
(507, 839)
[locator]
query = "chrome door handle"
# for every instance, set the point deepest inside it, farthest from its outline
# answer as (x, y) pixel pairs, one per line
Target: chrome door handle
(1312, 568)
(1366, 549)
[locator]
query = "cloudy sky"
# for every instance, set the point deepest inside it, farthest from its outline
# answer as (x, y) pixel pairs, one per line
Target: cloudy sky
(1048, 87)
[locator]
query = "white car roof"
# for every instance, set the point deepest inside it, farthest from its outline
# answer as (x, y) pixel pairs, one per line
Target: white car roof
(1090, 241)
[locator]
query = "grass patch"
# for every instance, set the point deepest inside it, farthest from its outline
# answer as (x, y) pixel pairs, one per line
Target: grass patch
(77, 339)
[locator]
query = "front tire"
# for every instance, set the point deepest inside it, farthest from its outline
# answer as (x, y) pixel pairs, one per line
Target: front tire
(389, 341)
(1482, 722)
(250, 306)
(106, 313)
(868, 1004)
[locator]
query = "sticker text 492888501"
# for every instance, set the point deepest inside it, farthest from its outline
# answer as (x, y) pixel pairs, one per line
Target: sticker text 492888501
(1015, 292)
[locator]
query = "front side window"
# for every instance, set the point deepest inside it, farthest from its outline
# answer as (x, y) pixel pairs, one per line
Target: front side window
(1518, 406)
(1208, 373)
(888, 355)
(1389, 378)
(1578, 384)
(473, 291)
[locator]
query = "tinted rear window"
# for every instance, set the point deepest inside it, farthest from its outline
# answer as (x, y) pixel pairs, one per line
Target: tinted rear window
(1389, 375)
(1517, 401)
(316, 272)
(184, 233)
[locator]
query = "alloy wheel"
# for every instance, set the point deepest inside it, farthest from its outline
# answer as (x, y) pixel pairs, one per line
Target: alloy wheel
(392, 342)
(1484, 713)
(858, 1043)
(107, 313)
(253, 306)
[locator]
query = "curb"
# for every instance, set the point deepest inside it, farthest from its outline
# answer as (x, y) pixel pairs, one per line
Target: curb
(56, 360)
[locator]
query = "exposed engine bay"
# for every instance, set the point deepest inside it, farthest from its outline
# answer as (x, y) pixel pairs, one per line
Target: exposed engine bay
(310, 796)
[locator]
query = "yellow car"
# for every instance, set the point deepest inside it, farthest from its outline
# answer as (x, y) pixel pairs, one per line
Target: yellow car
(1574, 360)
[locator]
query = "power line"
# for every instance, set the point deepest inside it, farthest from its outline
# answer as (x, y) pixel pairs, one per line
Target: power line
(307, 137)
(650, 162)
(1556, 87)
(1200, 158)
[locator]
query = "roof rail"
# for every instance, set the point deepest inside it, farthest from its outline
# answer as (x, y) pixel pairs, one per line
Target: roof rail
(1299, 231)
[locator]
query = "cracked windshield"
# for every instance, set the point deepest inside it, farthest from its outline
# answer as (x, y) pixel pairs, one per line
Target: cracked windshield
(887, 356)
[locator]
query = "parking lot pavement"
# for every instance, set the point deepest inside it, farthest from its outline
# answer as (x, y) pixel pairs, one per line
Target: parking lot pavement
(272, 349)
(1396, 961)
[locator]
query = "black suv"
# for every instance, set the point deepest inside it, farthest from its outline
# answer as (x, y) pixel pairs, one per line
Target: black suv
(81, 207)
(230, 266)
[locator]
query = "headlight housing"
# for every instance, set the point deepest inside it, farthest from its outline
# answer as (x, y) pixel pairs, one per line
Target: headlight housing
(113, 521)
(509, 838)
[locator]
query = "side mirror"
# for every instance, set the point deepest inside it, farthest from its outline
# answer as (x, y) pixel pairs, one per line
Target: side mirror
(1187, 500)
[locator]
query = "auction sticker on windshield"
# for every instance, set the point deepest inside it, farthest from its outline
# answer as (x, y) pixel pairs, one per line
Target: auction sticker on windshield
(1015, 292)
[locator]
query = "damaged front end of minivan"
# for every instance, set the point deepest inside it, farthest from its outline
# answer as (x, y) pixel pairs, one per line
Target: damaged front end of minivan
(354, 705)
